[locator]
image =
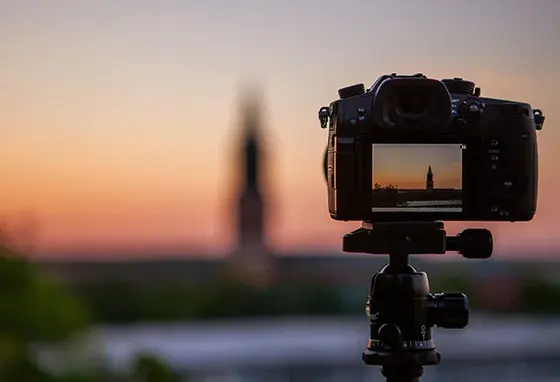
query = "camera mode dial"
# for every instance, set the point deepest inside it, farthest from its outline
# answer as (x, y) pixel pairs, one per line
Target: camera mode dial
(459, 86)
(351, 91)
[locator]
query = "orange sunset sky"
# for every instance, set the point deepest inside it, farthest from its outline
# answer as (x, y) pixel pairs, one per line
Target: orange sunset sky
(118, 118)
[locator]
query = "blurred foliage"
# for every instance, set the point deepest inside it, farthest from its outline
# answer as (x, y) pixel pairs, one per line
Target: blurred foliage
(540, 297)
(224, 297)
(537, 296)
(119, 302)
(35, 309)
(148, 368)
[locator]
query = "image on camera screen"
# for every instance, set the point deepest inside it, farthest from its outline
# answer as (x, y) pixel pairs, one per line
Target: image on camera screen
(417, 177)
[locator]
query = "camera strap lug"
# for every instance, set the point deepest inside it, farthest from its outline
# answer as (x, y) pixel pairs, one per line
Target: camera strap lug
(324, 117)
(539, 119)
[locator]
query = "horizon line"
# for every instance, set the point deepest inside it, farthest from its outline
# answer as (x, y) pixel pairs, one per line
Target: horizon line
(153, 254)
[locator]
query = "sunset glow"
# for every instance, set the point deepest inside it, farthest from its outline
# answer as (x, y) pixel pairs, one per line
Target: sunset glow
(119, 119)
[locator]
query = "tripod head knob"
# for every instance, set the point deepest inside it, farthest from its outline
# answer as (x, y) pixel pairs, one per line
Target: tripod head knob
(448, 310)
(391, 335)
(473, 243)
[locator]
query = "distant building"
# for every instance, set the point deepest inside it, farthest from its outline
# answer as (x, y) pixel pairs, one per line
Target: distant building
(251, 258)
(430, 179)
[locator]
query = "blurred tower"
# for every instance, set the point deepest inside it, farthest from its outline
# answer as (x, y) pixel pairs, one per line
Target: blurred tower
(251, 259)
(429, 179)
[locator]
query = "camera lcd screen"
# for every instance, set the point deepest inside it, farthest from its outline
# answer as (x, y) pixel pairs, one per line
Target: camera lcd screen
(417, 178)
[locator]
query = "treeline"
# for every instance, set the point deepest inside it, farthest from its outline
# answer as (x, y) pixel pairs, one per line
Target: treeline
(121, 303)
(536, 296)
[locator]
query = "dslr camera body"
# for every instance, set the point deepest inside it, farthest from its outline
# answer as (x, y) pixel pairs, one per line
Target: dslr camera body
(420, 149)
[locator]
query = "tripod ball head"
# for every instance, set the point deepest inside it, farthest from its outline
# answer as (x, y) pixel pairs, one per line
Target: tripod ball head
(400, 308)
(402, 311)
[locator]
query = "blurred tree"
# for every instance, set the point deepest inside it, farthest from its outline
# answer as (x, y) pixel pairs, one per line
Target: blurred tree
(34, 309)
(120, 303)
(539, 297)
(321, 300)
(148, 368)
(114, 302)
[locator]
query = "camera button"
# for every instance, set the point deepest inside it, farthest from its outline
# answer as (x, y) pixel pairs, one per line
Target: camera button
(510, 184)
(460, 123)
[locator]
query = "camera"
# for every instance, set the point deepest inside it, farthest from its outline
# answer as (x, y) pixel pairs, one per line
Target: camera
(415, 148)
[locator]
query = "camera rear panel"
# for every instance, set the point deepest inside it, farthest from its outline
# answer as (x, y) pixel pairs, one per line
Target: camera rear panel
(482, 169)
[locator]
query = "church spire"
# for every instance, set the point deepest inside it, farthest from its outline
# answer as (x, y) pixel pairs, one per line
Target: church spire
(251, 258)
(251, 147)
(429, 179)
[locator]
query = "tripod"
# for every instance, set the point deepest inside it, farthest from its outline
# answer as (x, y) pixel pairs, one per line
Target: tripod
(400, 307)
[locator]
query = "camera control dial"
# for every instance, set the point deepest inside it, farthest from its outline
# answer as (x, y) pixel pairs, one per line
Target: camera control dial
(459, 86)
(471, 108)
(351, 91)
